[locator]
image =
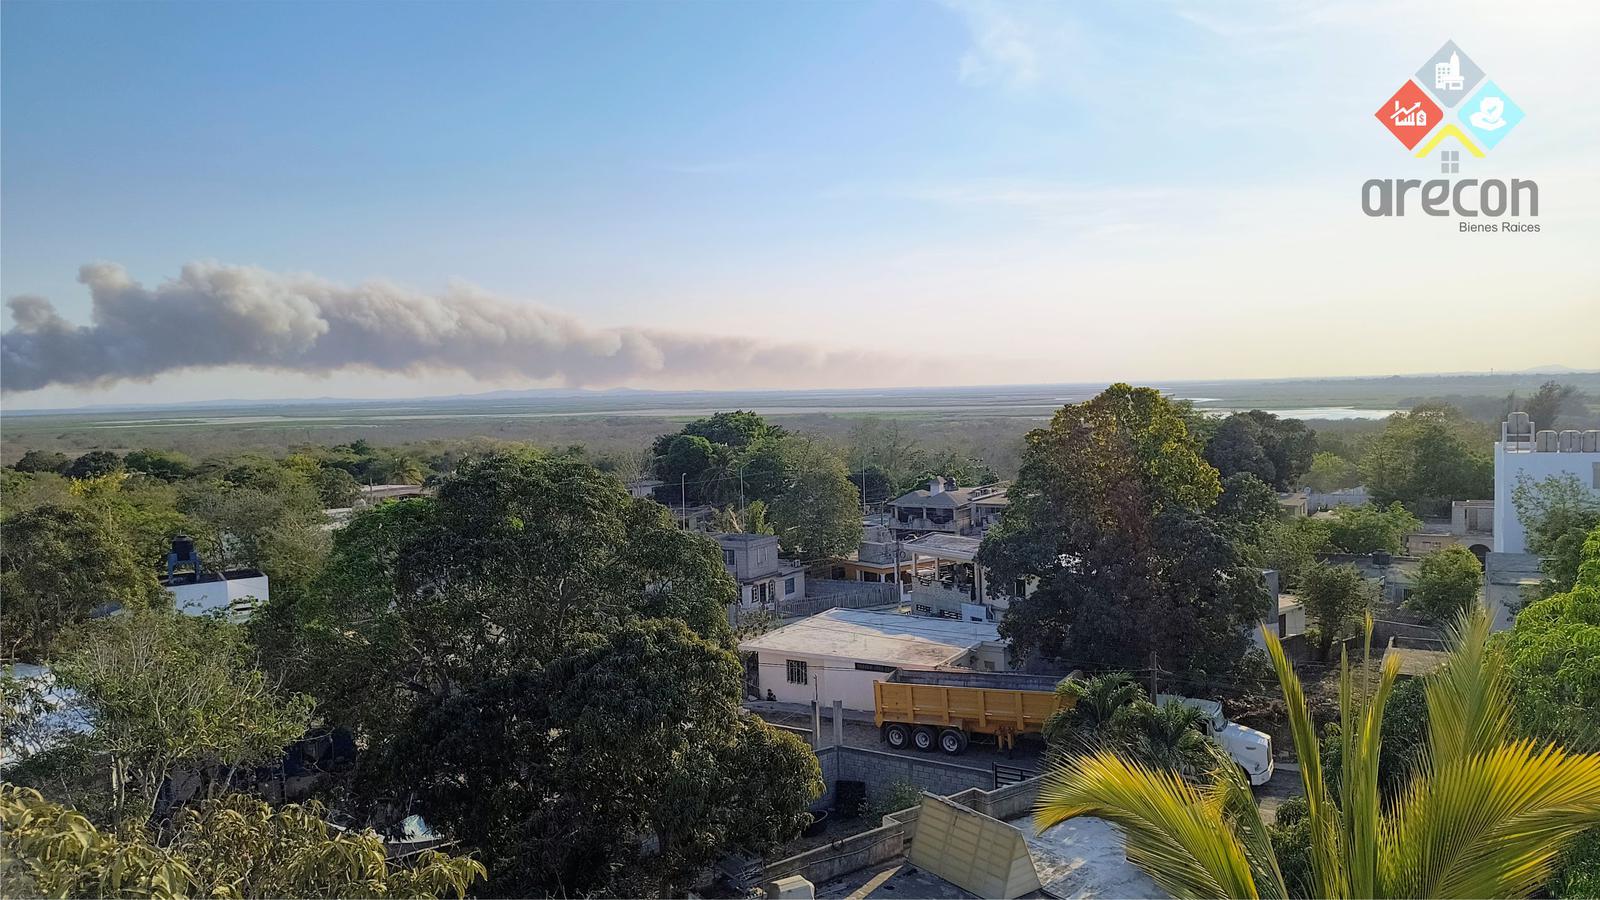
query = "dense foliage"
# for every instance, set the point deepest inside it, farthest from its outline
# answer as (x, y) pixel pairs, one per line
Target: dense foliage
(1448, 584)
(541, 664)
(1277, 451)
(1427, 458)
(232, 847)
(1113, 514)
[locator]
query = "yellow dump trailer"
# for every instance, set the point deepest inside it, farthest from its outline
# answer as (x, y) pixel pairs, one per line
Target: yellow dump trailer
(929, 710)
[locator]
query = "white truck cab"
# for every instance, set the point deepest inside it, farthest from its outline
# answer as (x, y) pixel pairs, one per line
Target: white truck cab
(1250, 748)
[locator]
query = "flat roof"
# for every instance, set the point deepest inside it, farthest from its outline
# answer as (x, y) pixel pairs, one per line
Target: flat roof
(881, 637)
(945, 546)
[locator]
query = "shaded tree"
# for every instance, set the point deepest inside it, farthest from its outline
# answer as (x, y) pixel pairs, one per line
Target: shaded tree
(1334, 598)
(1546, 404)
(1277, 451)
(43, 461)
(1109, 512)
(1427, 458)
(819, 515)
(1369, 529)
(57, 565)
(95, 464)
(166, 465)
(1447, 585)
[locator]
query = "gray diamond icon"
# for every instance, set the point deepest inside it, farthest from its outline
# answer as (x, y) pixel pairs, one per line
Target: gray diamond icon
(1449, 75)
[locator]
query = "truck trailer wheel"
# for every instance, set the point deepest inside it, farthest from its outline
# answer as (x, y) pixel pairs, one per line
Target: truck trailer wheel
(953, 741)
(925, 739)
(897, 735)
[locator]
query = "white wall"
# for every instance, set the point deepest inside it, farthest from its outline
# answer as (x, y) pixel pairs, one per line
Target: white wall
(1509, 534)
(829, 679)
(199, 599)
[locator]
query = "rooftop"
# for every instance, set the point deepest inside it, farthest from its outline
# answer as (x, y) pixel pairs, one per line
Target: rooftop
(945, 546)
(881, 637)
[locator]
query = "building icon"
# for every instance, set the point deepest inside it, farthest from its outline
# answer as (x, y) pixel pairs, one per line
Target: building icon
(1447, 75)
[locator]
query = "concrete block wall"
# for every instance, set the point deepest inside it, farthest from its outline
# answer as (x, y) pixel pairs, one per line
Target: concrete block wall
(879, 770)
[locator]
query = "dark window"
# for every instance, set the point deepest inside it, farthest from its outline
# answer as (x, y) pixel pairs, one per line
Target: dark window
(873, 667)
(797, 672)
(1283, 625)
(727, 557)
(788, 586)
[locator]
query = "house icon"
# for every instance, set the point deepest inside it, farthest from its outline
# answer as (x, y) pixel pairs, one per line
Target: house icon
(1409, 115)
(1447, 75)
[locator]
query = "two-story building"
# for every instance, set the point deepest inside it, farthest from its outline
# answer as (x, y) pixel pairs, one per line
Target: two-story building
(1471, 525)
(765, 579)
(942, 508)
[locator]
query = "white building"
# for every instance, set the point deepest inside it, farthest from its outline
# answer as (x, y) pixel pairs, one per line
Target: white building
(239, 591)
(1523, 452)
(838, 654)
(764, 579)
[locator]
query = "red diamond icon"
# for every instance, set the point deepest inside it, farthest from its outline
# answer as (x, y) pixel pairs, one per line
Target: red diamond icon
(1410, 114)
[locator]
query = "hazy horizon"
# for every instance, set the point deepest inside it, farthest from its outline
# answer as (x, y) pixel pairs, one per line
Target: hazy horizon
(265, 201)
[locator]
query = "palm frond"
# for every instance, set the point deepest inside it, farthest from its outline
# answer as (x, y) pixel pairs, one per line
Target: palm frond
(1331, 880)
(1173, 832)
(1468, 709)
(1490, 824)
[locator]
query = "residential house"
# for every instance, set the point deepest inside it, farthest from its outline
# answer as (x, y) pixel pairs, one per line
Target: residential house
(838, 654)
(765, 579)
(942, 508)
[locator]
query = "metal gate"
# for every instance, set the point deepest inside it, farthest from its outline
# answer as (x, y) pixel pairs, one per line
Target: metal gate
(1004, 775)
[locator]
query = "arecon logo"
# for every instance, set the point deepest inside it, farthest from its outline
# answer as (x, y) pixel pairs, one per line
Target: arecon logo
(1451, 108)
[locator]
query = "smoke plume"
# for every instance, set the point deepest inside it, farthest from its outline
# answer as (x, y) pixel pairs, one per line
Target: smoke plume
(216, 315)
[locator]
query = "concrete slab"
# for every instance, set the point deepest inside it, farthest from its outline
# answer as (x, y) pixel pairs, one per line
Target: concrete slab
(897, 879)
(1083, 858)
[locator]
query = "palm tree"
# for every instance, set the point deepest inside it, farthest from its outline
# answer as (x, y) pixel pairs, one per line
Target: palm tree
(1485, 815)
(1167, 736)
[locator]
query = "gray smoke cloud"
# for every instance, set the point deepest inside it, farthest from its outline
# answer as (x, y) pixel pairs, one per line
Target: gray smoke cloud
(215, 315)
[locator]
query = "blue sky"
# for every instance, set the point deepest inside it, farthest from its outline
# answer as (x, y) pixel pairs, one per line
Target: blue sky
(1082, 191)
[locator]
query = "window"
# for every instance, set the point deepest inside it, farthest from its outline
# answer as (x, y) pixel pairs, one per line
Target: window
(797, 672)
(873, 667)
(1283, 625)
(727, 557)
(1449, 161)
(788, 586)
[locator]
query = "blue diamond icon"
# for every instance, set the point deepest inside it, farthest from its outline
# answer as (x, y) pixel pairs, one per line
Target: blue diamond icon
(1489, 114)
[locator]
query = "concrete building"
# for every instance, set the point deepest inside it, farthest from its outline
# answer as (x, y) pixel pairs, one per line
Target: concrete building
(838, 654)
(950, 583)
(1524, 453)
(1322, 501)
(764, 578)
(1294, 504)
(880, 558)
(1471, 525)
(198, 591)
(942, 508)
(239, 591)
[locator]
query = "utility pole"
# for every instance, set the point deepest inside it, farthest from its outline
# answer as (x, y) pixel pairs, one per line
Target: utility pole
(1155, 667)
(683, 499)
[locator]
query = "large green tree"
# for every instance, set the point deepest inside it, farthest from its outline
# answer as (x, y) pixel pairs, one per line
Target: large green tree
(1553, 658)
(1111, 513)
(1368, 528)
(57, 565)
(819, 514)
(543, 665)
(1427, 458)
(1277, 451)
(167, 693)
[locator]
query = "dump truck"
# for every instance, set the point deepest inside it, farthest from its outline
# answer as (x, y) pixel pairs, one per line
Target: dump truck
(942, 709)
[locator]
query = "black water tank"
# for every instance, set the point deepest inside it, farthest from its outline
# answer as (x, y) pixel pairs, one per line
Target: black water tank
(183, 546)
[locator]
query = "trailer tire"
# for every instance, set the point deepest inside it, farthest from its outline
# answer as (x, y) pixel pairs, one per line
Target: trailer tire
(925, 739)
(953, 741)
(896, 735)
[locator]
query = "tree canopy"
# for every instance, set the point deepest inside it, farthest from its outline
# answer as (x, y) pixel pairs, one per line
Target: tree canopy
(1448, 584)
(542, 665)
(57, 565)
(1427, 458)
(1277, 451)
(1111, 513)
